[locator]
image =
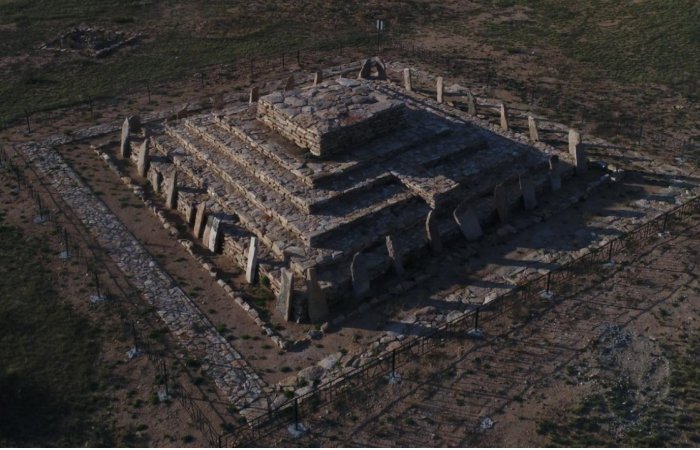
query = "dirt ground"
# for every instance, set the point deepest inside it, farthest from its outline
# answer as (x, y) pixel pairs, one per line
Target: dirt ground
(425, 409)
(519, 385)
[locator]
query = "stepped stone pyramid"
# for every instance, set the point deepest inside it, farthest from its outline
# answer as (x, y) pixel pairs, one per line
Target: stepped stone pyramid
(350, 178)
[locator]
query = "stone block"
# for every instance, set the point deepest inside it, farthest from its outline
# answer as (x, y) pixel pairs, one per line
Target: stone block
(532, 127)
(200, 220)
(360, 276)
(317, 304)
(156, 181)
(171, 192)
(143, 162)
(468, 222)
(574, 140)
(395, 255)
(318, 77)
(215, 234)
(407, 82)
(284, 299)
(254, 94)
(125, 145)
(251, 272)
(440, 90)
(504, 118)
(433, 233)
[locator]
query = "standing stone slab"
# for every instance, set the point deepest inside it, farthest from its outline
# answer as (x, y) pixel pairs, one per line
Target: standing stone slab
(156, 180)
(143, 162)
(134, 124)
(318, 77)
(554, 174)
(207, 231)
(189, 213)
(317, 304)
(284, 299)
(200, 220)
(468, 222)
(251, 271)
(504, 118)
(500, 202)
(440, 90)
(365, 70)
(360, 277)
(471, 104)
(124, 146)
(527, 190)
(289, 85)
(171, 192)
(254, 94)
(407, 84)
(215, 234)
(532, 126)
(581, 160)
(574, 140)
(395, 256)
(433, 233)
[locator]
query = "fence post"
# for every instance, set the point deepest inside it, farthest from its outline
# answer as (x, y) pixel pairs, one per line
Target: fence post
(476, 319)
(296, 414)
(610, 250)
(393, 362)
(549, 281)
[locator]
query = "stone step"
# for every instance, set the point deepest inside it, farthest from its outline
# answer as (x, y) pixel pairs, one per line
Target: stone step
(268, 171)
(419, 129)
(272, 235)
(313, 229)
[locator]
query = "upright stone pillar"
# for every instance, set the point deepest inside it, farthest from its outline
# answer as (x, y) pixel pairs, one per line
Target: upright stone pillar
(504, 118)
(134, 124)
(468, 222)
(251, 271)
(189, 213)
(125, 146)
(156, 180)
(317, 304)
(207, 231)
(215, 235)
(532, 126)
(143, 162)
(360, 277)
(254, 94)
(318, 77)
(554, 175)
(289, 85)
(392, 247)
(581, 160)
(433, 233)
(527, 190)
(407, 84)
(284, 299)
(365, 70)
(471, 104)
(200, 220)
(171, 192)
(440, 90)
(574, 140)
(500, 200)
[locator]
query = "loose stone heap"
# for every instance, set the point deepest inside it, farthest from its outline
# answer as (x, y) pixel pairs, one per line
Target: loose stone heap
(332, 116)
(398, 176)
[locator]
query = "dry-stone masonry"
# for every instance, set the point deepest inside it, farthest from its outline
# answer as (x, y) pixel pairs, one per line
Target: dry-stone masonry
(320, 175)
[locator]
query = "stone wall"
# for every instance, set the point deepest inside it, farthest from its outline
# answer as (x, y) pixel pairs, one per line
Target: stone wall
(331, 117)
